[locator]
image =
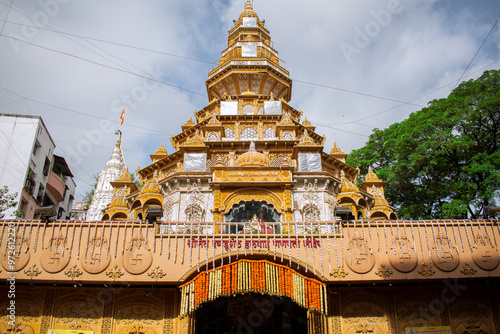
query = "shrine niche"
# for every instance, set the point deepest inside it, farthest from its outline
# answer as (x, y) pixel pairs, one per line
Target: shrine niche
(469, 312)
(412, 306)
(19, 327)
(29, 311)
(138, 313)
(249, 214)
(78, 311)
(363, 312)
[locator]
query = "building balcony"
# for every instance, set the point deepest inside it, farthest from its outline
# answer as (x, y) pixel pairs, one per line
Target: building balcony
(55, 186)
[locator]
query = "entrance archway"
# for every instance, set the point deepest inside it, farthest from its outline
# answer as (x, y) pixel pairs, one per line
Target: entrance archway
(251, 313)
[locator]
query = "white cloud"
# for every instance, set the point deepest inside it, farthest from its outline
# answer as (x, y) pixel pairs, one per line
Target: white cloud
(421, 46)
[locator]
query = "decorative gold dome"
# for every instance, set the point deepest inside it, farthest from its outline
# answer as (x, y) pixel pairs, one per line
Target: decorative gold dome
(151, 187)
(371, 176)
(379, 197)
(252, 158)
(125, 176)
(161, 150)
(248, 11)
(335, 149)
(306, 123)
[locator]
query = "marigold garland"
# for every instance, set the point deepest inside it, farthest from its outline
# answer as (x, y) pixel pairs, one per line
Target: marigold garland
(258, 276)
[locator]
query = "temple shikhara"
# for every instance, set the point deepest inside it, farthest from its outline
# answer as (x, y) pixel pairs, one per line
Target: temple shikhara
(248, 226)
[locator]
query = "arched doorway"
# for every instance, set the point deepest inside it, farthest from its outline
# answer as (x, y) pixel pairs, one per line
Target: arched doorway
(251, 313)
(256, 296)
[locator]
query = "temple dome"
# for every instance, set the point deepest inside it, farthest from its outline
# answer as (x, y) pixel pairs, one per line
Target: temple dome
(248, 11)
(252, 158)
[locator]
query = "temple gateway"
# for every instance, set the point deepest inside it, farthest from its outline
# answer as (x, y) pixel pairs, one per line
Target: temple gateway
(248, 226)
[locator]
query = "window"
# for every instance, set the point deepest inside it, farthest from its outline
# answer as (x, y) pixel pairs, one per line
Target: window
(248, 134)
(194, 213)
(269, 134)
(213, 137)
(248, 110)
(36, 148)
(46, 167)
(287, 135)
(229, 134)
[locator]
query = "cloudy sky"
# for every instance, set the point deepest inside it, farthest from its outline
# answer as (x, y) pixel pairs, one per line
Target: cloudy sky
(356, 65)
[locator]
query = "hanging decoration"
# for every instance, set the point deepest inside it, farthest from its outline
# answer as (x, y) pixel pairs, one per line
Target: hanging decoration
(247, 276)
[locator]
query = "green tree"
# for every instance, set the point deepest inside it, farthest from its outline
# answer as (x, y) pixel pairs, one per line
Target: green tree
(7, 201)
(87, 198)
(444, 160)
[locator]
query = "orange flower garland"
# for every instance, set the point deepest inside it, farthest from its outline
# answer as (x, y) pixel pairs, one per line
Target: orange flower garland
(246, 276)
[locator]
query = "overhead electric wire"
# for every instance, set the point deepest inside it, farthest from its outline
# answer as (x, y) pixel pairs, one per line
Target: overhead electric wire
(477, 52)
(357, 93)
(80, 112)
(59, 31)
(62, 33)
(399, 105)
(116, 43)
(106, 66)
(9, 103)
(6, 17)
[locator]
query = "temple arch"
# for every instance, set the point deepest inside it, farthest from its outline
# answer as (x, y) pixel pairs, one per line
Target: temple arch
(253, 194)
(253, 276)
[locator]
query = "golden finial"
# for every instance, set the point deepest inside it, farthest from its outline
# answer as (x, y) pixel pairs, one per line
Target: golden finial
(161, 150)
(249, 4)
(371, 176)
(335, 149)
(306, 122)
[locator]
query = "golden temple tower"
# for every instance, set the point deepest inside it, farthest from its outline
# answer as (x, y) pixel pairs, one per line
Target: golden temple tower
(248, 153)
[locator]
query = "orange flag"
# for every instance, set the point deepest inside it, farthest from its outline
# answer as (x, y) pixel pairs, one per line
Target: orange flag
(122, 117)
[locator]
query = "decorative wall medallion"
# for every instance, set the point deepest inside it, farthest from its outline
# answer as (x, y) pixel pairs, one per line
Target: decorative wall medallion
(73, 272)
(467, 270)
(95, 261)
(21, 258)
(17, 328)
(32, 271)
(444, 256)
(485, 256)
(473, 327)
(383, 272)
(426, 271)
(402, 257)
(53, 260)
(137, 260)
(115, 273)
(136, 329)
(157, 273)
(358, 257)
(339, 273)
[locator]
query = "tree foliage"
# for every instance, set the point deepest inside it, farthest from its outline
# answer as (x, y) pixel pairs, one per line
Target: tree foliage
(7, 201)
(444, 160)
(90, 193)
